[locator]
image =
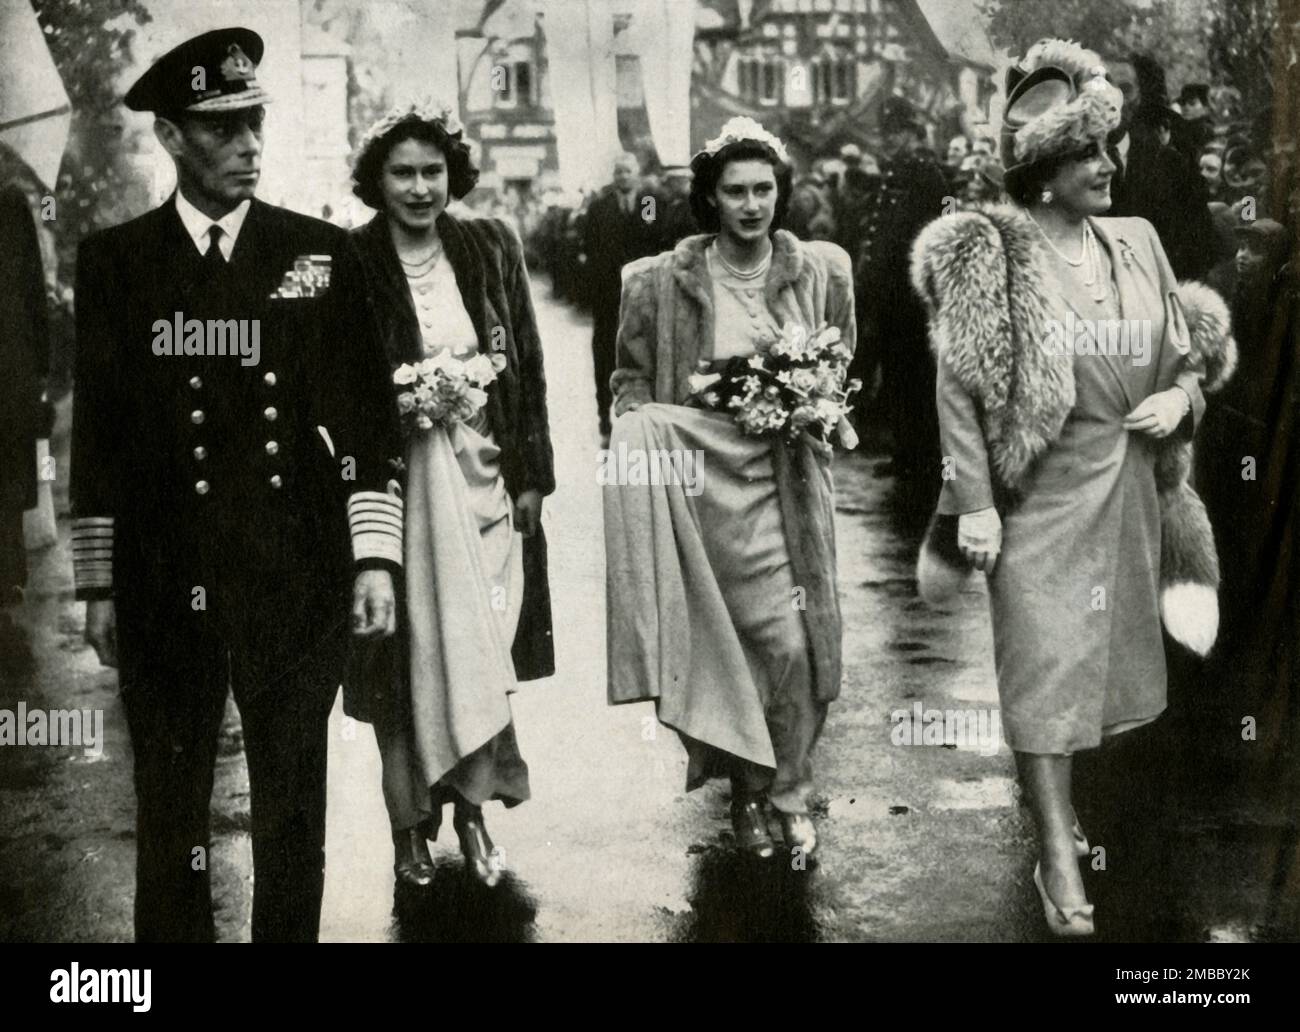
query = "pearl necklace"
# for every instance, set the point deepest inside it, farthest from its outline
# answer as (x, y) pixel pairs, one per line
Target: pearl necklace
(1089, 255)
(433, 256)
(748, 274)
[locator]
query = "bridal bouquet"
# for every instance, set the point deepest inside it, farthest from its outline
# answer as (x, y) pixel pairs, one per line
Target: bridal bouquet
(799, 383)
(444, 389)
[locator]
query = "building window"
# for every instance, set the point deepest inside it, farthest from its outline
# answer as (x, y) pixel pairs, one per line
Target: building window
(834, 80)
(746, 77)
(770, 92)
(516, 85)
(759, 79)
(843, 84)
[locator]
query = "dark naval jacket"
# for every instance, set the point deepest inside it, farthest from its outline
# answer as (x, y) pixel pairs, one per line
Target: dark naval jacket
(265, 485)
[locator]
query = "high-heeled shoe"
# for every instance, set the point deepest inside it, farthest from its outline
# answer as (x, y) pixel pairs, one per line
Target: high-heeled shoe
(800, 832)
(750, 827)
(476, 845)
(412, 864)
(1077, 921)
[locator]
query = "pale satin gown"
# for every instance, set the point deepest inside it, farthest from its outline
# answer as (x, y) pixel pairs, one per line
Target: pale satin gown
(464, 587)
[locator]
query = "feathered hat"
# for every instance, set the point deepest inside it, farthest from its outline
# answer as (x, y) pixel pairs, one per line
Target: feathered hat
(1058, 101)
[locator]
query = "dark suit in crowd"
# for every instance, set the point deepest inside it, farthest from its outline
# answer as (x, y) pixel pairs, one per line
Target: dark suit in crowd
(891, 319)
(24, 363)
(615, 233)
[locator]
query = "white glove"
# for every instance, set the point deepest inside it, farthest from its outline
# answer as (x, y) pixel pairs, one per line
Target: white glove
(979, 536)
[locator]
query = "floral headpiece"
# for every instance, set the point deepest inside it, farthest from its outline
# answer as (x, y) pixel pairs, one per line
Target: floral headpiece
(426, 110)
(743, 128)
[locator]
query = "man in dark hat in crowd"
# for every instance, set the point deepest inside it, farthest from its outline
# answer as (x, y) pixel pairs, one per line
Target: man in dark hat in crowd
(1198, 117)
(909, 193)
(233, 512)
(677, 222)
(1156, 176)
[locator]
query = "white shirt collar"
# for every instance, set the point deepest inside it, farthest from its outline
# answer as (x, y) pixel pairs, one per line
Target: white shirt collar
(197, 224)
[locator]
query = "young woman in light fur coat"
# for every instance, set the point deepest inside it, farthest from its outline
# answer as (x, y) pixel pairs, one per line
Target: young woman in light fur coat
(1071, 370)
(722, 604)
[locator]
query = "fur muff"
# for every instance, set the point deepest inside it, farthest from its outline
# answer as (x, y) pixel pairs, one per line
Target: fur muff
(981, 275)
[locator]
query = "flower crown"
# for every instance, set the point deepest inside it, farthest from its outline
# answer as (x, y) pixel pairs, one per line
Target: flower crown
(426, 110)
(743, 128)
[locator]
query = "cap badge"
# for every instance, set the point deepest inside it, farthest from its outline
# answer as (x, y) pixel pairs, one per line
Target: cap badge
(236, 67)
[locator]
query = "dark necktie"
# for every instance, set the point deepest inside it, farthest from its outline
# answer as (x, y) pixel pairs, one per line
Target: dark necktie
(213, 260)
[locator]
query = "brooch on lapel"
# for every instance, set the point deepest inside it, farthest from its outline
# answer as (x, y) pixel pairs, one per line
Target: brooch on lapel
(1125, 252)
(309, 277)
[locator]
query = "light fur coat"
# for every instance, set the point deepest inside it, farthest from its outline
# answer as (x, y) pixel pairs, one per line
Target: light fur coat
(982, 275)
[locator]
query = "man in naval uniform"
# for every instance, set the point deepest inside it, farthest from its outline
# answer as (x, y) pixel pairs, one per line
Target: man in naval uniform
(232, 448)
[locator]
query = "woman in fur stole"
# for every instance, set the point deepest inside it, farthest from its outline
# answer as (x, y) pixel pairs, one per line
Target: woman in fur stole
(721, 585)
(1071, 369)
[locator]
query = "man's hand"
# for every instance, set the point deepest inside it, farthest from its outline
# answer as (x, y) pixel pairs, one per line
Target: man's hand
(1159, 414)
(374, 609)
(101, 630)
(979, 536)
(528, 512)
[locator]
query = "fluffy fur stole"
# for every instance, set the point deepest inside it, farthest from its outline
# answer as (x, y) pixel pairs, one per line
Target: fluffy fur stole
(982, 277)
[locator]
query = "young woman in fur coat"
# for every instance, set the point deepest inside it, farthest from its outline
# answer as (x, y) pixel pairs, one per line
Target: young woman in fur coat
(474, 603)
(1071, 368)
(721, 592)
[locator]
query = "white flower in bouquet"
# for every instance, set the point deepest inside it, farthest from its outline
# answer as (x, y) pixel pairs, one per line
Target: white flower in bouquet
(480, 369)
(803, 380)
(797, 339)
(699, 382)
(803, 417)
(826, 336)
